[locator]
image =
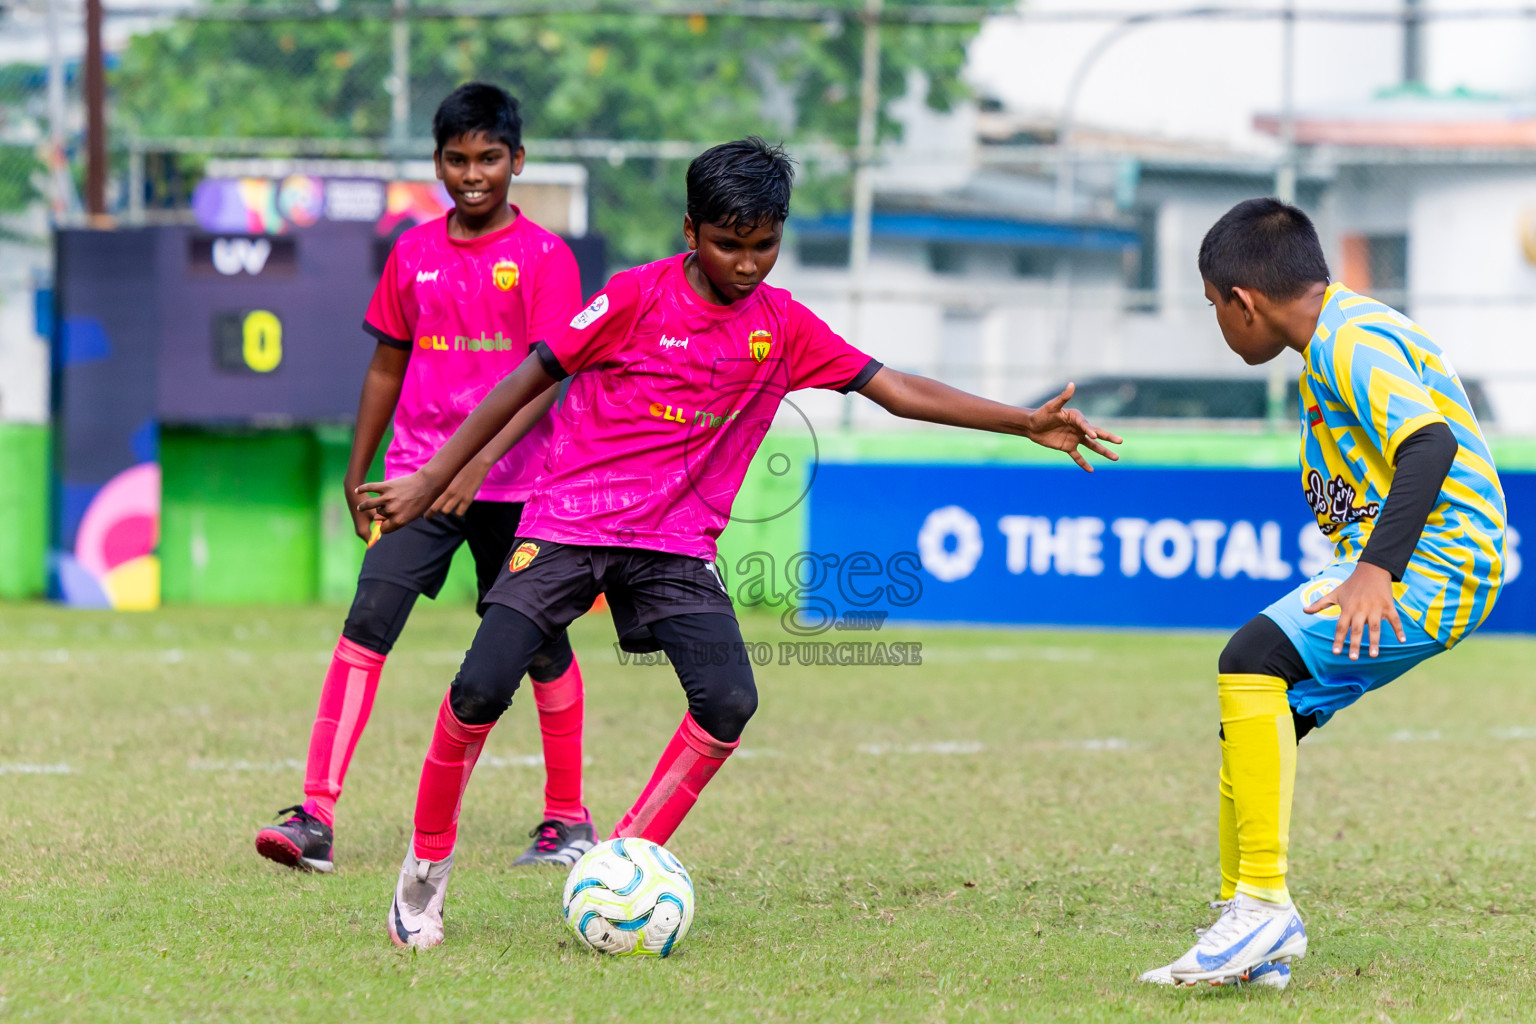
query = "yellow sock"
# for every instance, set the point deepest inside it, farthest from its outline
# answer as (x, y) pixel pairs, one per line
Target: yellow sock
(1261, 761)
(1227, 829)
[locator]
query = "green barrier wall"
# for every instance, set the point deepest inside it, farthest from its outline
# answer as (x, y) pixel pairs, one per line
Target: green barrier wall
(24, 504)
(239, 523)
(341, 550)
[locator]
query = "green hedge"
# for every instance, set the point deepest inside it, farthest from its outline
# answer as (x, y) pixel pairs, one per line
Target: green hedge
(24, 505)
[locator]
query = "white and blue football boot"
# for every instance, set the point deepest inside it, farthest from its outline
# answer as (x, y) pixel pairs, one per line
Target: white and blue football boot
(1249, 934)
(1276, 974)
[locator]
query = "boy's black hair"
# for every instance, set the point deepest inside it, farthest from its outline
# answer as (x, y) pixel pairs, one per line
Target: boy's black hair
(478, 107)
(740, 184)
(1265, 245)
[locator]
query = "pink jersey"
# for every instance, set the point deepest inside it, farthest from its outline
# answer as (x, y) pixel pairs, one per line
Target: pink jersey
(670, 398)
(469, 312)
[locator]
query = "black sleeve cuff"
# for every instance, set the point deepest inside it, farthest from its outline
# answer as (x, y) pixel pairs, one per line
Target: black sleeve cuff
(550, 363)
(1423, 462)
(863, 377)
(385, 339)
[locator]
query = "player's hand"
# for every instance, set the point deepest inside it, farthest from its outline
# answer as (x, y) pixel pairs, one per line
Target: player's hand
(1055, 426)
(455, 501)
(1364, 600)
(397, 502)
(362, 522)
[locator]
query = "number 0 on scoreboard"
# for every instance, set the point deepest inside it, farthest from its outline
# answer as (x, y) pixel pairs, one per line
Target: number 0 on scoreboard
(247, 341)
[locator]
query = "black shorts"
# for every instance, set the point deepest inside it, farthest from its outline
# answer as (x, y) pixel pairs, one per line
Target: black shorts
(554, 584)
(418, 555)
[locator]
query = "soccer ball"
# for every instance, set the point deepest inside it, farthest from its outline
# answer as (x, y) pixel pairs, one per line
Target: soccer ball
(629, 897)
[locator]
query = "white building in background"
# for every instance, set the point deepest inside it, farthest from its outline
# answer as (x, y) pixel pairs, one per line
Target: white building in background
(1424, 193)
(23, 351)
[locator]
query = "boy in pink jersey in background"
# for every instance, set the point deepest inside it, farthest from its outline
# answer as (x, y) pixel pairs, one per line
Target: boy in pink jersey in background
(676, 371)
(460, 304)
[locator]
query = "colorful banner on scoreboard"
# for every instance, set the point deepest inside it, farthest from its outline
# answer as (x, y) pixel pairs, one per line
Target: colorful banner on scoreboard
(1123, 547)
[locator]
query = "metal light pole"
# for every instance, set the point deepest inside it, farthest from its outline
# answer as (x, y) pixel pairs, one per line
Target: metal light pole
(400, 77)
(1066, 183)
(95, 114)
(863, 177)
(1285, 185)
(1285, 176)
(1413, 42)
(58, 114)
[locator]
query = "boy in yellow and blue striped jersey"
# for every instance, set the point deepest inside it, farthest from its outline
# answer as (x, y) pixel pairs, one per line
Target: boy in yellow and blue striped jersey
(1396, 470)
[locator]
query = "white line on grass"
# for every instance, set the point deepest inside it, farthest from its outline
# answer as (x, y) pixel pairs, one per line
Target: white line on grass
(1109, 743)
(287, 764)
(1415, 736)
(516, 761)
(919, 749)
(36, 769)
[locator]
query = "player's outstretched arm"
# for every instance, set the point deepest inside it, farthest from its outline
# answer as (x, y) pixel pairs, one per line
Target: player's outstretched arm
(381, 393)
(914, 397)
(461, 493)
(401, 501)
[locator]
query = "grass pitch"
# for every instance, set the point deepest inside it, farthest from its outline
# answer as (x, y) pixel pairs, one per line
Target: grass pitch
(1009, 832)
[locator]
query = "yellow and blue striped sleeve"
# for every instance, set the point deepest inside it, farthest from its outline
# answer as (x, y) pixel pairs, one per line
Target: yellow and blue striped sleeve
(1378, 378)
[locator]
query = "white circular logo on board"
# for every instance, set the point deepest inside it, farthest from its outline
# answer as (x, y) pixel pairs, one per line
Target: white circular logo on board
(932, 543)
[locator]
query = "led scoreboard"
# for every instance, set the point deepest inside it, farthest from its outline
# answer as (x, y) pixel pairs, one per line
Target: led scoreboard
(263, 329)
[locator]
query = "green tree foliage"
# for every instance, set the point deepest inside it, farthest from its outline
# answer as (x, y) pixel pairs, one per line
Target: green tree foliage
(19, 168)
(607, 76)
(19, 165)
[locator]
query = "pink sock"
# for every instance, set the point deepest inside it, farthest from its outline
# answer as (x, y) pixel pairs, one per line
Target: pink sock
(450, 760)
(345, 702)
(685, 768)
(560, 714)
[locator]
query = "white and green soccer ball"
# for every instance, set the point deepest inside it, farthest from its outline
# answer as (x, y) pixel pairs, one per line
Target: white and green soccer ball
(629, 897)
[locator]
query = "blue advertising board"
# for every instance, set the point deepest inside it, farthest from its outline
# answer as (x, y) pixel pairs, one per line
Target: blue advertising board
(1122, 547)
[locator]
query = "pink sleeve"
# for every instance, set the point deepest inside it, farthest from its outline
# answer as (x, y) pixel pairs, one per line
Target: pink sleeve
(385, 319)
(556, 295)
(819, 358)
(599, 330)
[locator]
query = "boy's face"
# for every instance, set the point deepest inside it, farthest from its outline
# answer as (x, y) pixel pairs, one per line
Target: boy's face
(735, 259)
(1249, 334)
(477, 170)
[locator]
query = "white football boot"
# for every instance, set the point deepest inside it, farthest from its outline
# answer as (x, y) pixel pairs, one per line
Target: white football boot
(416, 912)
(1275, 974)
(1248, 934)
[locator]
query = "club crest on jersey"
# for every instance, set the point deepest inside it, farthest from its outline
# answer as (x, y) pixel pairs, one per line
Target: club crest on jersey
(1333, 501)
(758, 344)
(1316, 591)
(586, 317)
(523, 556)
(504, 275)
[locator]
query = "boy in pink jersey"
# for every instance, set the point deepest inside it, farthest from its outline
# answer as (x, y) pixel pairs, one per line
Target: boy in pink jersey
(460, 304)
(676, 371)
